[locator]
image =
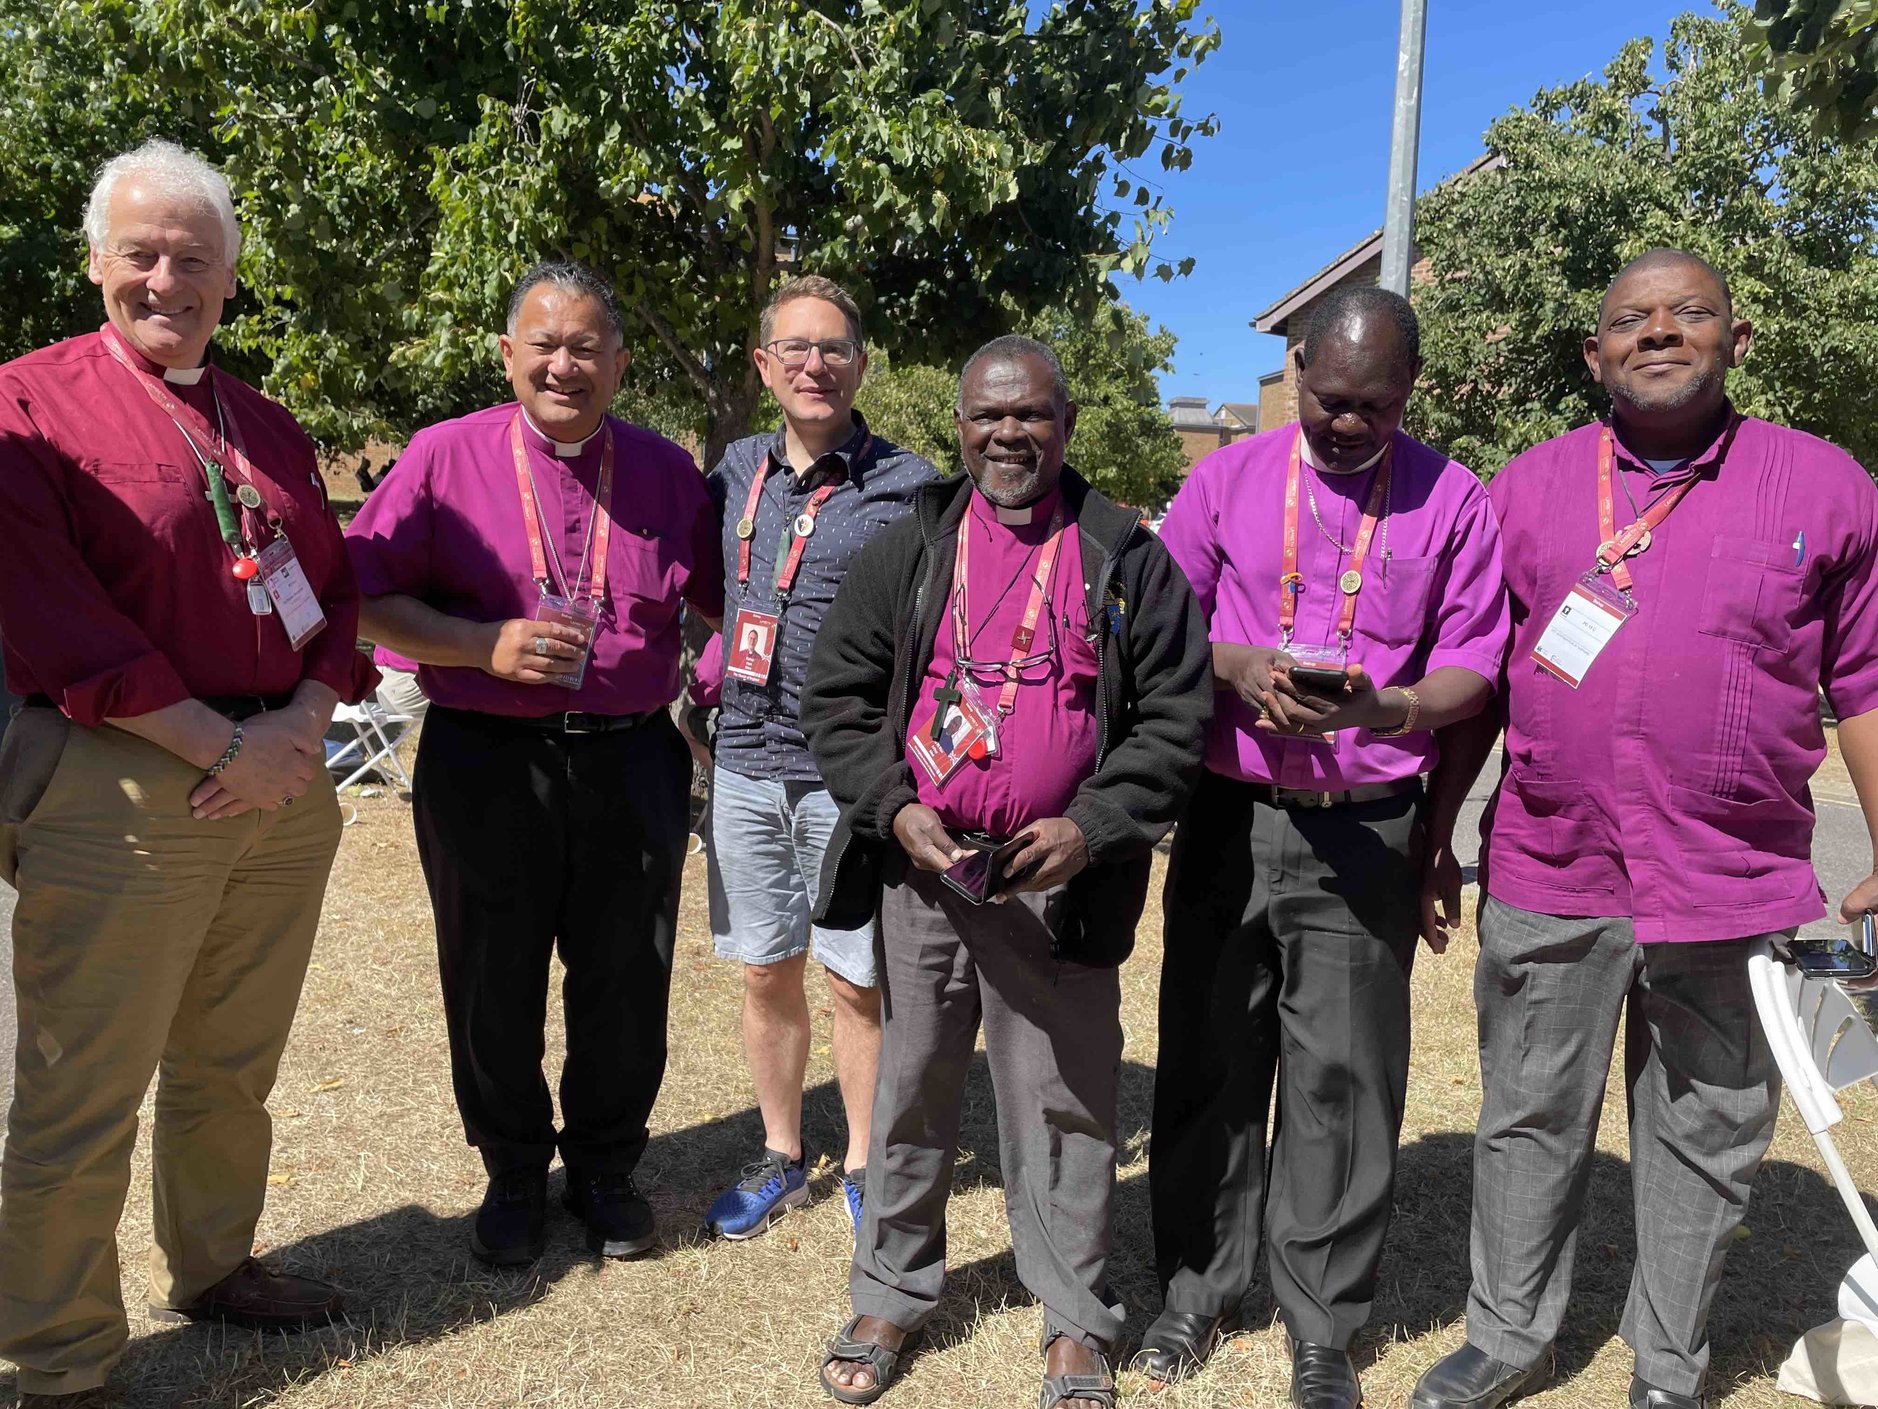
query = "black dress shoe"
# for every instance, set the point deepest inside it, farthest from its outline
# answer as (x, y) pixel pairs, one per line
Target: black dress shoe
(1469, 1378)
(511, 1226)
(1322, 1377)
(1645, 1396)
(1180, 1342)
(256, 1297)
(618, 1219)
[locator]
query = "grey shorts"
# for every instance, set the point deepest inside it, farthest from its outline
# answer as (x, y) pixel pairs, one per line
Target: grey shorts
(767, 842)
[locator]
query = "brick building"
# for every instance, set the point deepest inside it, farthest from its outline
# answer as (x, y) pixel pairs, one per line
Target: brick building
(1291, 315)
(1202, 431)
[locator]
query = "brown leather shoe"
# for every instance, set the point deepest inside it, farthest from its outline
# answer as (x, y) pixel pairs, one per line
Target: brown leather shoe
(259, 1298)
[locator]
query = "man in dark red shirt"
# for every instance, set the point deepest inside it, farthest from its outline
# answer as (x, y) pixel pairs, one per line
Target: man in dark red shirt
(180, 616)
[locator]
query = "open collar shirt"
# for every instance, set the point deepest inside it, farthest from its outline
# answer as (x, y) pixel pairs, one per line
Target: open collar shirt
(758, 729)
(1671, 786)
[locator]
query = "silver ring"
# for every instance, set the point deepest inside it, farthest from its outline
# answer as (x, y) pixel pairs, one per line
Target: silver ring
(541, 645)
(287, 801)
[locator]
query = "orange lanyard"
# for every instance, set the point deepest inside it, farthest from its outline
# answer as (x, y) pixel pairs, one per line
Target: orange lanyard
(1351, 583)
(1614, 547)
(599, 531)
(1022, 638)
(804, 526)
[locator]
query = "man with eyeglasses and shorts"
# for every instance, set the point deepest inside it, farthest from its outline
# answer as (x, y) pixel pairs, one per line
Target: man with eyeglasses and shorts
(796, 505)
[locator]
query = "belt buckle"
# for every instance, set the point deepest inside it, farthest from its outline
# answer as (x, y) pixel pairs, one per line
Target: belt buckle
(577, 721)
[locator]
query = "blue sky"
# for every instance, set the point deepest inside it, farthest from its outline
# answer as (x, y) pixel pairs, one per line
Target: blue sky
(1298, 172)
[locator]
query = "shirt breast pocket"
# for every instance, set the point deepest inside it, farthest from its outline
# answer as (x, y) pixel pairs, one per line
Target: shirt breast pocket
(1752, 594)
(1393, 606)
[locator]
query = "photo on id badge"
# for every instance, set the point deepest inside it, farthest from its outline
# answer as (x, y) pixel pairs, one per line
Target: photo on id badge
(581, 612)
(752, 646)
(960, 726)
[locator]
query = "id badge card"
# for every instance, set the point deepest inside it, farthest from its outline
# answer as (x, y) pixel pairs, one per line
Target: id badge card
(295, 602)
(1592, 613)
(969, 731)
(582, 612)
(752, 647)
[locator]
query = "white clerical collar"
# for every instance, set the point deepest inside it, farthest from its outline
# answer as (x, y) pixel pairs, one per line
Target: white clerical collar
(1310, 459)
(1022, 515)
(564, 449)
(184, 376)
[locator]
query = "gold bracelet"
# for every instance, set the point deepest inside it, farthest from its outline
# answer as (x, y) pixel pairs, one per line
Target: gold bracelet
(1407, 726)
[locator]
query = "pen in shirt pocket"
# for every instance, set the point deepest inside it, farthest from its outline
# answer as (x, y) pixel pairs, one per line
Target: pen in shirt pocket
(1799, 547)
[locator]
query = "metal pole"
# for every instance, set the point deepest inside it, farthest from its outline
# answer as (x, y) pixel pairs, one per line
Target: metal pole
(1398, 226)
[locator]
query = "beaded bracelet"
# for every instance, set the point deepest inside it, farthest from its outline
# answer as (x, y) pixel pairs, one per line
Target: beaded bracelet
(228, 754)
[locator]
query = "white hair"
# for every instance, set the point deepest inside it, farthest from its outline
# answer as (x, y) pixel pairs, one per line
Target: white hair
(170, 170)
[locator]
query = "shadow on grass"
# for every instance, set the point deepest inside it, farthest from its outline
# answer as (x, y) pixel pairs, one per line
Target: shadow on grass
(410, 1279)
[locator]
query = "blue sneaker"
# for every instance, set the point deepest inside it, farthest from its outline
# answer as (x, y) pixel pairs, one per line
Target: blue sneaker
(769, 1189)
(854, 1188)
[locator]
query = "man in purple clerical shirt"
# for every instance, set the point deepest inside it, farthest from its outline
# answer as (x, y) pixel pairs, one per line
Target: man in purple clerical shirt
(1342, 546)
(536, 560)
(1652, 824)
(1008, 699)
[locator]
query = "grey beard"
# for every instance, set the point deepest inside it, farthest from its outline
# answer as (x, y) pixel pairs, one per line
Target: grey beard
(1692, 390)
(1010, 498)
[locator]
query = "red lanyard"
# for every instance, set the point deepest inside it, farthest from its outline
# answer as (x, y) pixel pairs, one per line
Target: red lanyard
(229, 457)
(598, 532)
(1025, 634)
(1351, 583)
(1614, 547)
(804, 526)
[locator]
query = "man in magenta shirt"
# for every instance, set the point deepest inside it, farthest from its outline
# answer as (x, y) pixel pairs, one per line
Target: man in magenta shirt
(1340, 544)
(536, 559)
(1011, 686)
(163, 808)
(1652, 822)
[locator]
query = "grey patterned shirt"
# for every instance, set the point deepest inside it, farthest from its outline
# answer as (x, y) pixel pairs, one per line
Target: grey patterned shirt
(758, 734)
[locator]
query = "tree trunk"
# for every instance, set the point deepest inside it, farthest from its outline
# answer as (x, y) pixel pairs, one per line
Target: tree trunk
(730, 410)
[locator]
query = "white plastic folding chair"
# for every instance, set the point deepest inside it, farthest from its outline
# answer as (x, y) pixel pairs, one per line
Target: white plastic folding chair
(1823, 1045)
(376, 734)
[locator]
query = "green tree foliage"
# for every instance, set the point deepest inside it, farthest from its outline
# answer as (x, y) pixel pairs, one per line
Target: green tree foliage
(1124, 442)
(1821, 55)
(1597, 172)
(399, 162)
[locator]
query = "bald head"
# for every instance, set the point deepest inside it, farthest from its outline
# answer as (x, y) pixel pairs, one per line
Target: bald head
(1672, 260)
(1356, 369)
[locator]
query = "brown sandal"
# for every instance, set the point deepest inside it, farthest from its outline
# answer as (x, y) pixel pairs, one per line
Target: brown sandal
(887, 1365)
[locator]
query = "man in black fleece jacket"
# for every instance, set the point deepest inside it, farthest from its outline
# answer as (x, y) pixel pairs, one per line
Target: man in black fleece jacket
(1017, 668)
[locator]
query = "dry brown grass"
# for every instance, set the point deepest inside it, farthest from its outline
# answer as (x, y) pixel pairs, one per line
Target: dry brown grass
(373, 1187)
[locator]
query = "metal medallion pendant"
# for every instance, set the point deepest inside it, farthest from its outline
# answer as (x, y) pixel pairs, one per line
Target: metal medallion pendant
(1640, 545)
(248, 495)
(805, 525)
(746, 527)
(1351, 582)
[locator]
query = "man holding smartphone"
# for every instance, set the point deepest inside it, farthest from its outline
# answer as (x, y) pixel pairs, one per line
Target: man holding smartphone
(1684, 582)
(535, 559)
(1013, 677)
(1352, 578)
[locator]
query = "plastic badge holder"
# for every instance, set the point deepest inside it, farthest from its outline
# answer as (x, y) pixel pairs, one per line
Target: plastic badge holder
(570, 611)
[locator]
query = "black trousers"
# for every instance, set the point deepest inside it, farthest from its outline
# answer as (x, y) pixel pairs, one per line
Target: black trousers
(1289, 938)
(530, 841)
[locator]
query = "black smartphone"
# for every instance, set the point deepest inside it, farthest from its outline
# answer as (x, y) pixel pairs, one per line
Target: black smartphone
(1837, 958)
(1324, 681)
(979, 874)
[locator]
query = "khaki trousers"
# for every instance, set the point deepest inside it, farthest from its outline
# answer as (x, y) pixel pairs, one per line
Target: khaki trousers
(144, 942)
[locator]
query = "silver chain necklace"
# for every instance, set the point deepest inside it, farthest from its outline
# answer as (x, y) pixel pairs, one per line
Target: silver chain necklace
(1388, 494)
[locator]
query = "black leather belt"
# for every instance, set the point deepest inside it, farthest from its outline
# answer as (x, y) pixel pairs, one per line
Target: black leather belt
(571, 721)
(1305, 798)
(229, 706)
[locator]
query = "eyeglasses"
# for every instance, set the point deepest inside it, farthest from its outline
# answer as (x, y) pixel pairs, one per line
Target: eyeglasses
(793, 353)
